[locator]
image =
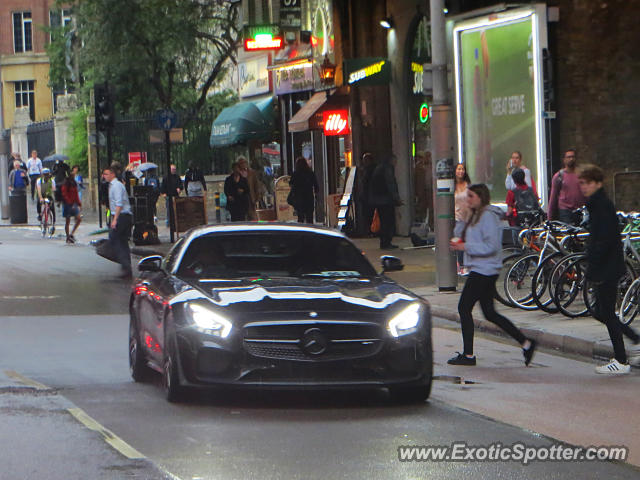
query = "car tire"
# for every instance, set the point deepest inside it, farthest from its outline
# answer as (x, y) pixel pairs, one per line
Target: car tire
(414, 394)
(138, 368)
(174, 392)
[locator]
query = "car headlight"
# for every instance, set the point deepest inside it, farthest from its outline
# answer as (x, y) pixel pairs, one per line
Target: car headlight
(209, 322)
(406, 321)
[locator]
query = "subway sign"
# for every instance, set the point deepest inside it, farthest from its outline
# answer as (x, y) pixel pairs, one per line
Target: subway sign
(336, 122)
(262, 37)
(367, 71)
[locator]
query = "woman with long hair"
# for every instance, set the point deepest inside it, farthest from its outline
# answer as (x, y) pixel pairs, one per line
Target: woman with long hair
(304, 186)
(481, 241)
(462, 210)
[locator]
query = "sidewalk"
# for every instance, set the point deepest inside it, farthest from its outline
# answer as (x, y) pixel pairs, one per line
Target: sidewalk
(584, 336)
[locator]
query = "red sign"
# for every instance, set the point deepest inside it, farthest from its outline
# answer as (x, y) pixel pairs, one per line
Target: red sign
(263, 42)
(137, 157)
(336, 122)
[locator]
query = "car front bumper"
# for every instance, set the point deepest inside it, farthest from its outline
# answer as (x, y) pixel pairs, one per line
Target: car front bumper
(206, 361)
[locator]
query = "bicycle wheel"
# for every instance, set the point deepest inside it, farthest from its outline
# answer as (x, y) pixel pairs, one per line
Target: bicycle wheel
(569, 291)
(630, 303)
(541, 283)
(50, 228)
(517, 282)
(507, 262)
(43, 224)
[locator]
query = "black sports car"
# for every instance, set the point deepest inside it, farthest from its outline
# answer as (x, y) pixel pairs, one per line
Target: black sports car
(276, 305)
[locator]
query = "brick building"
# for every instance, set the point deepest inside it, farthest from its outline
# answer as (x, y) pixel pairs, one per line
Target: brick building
(24, 65)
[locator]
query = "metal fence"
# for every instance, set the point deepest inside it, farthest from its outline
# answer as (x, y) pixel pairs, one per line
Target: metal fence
(41, 137)
(132, 134)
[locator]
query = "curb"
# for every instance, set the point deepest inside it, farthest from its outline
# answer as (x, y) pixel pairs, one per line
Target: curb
(552, 341)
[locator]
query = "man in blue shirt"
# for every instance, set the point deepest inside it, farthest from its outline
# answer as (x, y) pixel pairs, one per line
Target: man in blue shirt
(121, 220)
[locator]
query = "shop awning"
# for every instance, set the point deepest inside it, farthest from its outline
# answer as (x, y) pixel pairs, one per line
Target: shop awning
(242, 122)
(300, 121)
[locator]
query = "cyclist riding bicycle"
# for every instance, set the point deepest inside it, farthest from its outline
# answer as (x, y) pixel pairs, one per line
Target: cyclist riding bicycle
(46, 186)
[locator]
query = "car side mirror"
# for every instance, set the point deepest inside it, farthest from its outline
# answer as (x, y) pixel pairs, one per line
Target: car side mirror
(391, 264)
(150, 264)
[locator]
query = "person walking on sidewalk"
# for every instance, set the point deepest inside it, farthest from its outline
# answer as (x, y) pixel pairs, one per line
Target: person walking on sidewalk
(18, 180)
(194, 182)
(516, 162)
(304, 186)
(170, 188)
(481, 240)
(70, 207)
(566, 195)
(121, 220)
(255, 186)
(605, 265)
(236, 189)
(34, 168)
(462, 210)
(384, 196)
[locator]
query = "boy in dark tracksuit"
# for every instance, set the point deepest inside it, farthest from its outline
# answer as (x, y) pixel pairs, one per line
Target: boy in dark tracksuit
(606, 265)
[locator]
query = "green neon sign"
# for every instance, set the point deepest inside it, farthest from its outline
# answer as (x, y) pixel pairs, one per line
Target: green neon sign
(424, 113)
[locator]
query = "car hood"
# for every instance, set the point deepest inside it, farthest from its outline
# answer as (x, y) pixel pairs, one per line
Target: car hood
(298, 294)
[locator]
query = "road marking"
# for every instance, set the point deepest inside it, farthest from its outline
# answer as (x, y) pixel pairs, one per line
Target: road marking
(32, 297)
(25, 381)
(111, 438)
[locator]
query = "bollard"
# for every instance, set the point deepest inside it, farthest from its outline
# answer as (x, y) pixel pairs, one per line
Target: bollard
(218, 214)
(4, 173)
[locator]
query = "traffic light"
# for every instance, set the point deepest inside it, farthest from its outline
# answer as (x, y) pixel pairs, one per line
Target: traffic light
(105, 111)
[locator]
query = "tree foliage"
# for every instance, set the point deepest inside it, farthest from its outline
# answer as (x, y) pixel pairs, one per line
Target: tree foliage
(154, 53)
(77, 150)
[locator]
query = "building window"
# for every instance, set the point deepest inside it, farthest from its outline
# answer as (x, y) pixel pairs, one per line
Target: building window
(22, 38)
(59, 18)
(24, 96)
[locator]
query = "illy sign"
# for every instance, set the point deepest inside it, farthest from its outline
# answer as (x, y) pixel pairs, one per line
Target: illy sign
(336, 122)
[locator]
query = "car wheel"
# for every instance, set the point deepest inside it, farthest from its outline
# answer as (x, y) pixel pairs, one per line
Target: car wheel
(417, 394)
(137, 363)
(172, 388)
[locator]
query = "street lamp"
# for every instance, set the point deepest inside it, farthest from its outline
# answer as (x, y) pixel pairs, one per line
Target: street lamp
(387, 22)
(327, 71)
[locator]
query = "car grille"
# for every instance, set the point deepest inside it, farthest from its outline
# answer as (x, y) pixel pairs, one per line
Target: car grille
(309, 341)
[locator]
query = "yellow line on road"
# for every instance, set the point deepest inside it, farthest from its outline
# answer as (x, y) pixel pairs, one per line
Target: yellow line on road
(25, 381)
(111, 438)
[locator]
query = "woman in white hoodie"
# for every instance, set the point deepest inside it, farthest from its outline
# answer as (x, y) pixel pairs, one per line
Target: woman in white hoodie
(481, 241)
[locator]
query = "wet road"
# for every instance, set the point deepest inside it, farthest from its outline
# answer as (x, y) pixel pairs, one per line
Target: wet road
(64, 324)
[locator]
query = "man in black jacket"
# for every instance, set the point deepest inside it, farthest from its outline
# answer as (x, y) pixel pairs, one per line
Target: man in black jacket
(384, 196)
(171, 187)
(605, 265)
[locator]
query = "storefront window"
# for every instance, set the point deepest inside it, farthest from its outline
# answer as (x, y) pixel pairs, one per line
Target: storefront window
(420, 131)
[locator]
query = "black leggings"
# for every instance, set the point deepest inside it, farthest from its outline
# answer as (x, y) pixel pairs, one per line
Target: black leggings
(482, 288)
(606, 313)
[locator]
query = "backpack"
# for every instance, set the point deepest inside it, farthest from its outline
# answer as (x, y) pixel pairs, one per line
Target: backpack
(526, 200)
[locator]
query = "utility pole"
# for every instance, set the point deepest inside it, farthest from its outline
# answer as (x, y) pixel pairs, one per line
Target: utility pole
(442, 153)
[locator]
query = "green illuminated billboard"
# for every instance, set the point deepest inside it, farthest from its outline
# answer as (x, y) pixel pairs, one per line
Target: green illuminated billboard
(498, 80)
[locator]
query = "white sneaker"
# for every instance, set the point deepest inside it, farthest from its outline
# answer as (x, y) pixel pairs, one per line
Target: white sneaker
(614, 368)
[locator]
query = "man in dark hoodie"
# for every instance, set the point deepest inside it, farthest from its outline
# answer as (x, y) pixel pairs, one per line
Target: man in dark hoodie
(384, 196)
(605, 265)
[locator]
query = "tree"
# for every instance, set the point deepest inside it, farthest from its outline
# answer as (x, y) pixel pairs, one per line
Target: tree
(155, 53)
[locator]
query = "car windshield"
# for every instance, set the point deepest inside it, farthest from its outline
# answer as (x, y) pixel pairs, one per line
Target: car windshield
(273, 254)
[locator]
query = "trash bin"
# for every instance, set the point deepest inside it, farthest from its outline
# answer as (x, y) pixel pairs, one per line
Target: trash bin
(142, 202)
(18, 208)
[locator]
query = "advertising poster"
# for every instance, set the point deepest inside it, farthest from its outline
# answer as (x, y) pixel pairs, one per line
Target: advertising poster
(499, 109)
